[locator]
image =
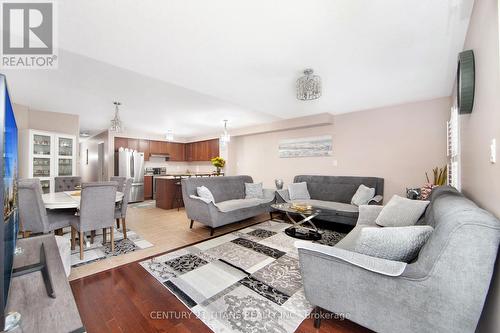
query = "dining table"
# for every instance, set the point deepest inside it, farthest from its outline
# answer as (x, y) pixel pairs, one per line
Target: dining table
(68, 199)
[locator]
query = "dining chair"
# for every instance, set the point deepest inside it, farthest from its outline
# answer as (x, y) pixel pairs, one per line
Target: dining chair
(67, 183)
(97, 208)
(35, 218)
(120, 180)
(121, 207)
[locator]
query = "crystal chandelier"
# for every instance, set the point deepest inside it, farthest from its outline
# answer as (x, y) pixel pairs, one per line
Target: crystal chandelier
(116, 123)
(225, 137)
(308, 86)
(170, 135)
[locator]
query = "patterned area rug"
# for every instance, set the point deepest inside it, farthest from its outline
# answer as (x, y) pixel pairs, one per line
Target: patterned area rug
(245, 281)
(97, 251)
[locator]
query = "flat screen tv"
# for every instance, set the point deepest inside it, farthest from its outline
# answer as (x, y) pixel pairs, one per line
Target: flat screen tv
(8, 194)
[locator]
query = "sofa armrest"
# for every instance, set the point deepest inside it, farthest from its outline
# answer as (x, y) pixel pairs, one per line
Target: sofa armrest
(200, 198)
(376, 200)
(283, 196)
(368, 214)
(372, 264)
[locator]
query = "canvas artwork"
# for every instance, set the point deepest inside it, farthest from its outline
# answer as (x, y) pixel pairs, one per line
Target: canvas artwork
(306, 147)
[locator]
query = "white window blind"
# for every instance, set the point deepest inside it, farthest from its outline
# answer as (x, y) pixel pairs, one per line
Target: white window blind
(453, 147)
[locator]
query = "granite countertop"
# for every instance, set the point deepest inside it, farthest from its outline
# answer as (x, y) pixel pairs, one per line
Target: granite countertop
(174, 175)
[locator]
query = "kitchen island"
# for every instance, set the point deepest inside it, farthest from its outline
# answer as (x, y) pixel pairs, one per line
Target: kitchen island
(168, 188)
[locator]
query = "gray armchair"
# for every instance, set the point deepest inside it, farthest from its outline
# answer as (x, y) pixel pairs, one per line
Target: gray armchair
(66, 183)
(97, 210)
(443, 290)
(121, 207)
(34, 217)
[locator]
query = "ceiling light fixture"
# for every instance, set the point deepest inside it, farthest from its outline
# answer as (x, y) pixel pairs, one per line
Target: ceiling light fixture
(170, 135)
(116, 123)
(308, 86)
(225, 137)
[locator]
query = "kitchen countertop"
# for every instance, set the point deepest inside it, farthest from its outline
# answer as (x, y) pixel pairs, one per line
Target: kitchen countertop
(194, 174)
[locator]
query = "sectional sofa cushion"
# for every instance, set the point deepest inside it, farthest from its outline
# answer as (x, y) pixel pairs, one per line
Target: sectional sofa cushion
(400, 212)
(392, 243)
(363, 195)
(253, 190)
(204, 193)
(339, 208)
(298, 191)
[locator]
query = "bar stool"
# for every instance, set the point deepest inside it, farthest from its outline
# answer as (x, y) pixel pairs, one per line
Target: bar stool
(177, 201)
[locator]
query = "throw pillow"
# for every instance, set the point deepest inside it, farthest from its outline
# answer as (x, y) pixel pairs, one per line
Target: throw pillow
(399, 244)
(363, 195)
(298, 191)
(253, 190)
(204, 192)
(400, 212)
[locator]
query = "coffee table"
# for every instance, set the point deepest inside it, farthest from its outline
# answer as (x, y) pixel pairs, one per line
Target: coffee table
(299, 230)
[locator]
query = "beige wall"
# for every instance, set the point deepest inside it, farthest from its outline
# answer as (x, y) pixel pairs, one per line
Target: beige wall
(397, 143)
(480, 178)
(27, 118)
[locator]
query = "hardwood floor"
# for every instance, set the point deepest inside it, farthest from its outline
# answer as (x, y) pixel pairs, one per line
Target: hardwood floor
(126, 299)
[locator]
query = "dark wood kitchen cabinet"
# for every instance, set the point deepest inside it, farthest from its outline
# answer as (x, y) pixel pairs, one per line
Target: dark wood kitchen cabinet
(148, 187)
(121, 142)
(144, 147)
(155, 147)
(177, 151)
(202, 150)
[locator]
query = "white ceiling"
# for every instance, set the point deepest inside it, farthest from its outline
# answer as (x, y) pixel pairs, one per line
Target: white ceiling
(189, 64)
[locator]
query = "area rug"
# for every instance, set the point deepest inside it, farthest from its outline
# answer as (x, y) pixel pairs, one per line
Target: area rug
(245, 281)
(97, 251)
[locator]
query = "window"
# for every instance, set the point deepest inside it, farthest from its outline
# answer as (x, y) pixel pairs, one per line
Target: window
(453, 148)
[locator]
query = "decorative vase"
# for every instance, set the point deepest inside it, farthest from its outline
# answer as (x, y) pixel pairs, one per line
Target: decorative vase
(278, 183)
(218, 171)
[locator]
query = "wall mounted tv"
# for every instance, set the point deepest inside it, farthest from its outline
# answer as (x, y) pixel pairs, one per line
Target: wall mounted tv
(8, 194)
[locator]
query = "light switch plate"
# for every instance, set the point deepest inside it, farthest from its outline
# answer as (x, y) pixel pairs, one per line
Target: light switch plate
(493, 151)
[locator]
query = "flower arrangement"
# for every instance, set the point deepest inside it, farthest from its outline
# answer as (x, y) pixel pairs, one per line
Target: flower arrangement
(218, 162)
(440, 176)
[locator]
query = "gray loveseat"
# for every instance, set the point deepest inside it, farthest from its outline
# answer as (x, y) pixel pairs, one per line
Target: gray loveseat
(333, 194)
(230, 204)
(443, 290)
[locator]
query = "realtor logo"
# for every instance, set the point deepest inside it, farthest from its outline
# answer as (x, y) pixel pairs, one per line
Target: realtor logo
(28, 35)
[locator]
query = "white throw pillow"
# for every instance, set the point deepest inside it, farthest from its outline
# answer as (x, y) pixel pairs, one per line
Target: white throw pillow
(399, 244)
(400, 212)
(254, 191)
(298, 191)
(204, 192)
(363, 195)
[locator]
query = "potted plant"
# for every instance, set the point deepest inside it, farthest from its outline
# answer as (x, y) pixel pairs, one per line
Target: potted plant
(439, 179)
(219, 163)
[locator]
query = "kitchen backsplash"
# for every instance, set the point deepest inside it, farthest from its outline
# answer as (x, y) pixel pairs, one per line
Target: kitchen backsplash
(156, 162)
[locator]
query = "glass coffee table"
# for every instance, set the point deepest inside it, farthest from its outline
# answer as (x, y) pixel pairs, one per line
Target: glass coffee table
(299, 229)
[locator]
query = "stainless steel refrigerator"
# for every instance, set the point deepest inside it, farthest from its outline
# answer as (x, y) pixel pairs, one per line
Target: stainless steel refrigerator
(131, 165)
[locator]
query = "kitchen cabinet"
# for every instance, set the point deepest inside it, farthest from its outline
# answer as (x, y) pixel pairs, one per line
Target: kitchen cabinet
(191, 152)
(148, 187)
(202, 150)
(133, 144)
(121, 142)
(177, 151)
(155, 147)
(144, 147)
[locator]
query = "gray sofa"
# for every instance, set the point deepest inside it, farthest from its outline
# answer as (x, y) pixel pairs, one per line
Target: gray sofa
(443, 290)
(333, 194)
(230, 204)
